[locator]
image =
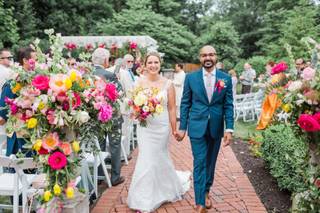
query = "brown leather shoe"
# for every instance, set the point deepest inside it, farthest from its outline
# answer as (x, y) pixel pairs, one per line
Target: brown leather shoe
(119, 181)
(201, 209)
(208, 202)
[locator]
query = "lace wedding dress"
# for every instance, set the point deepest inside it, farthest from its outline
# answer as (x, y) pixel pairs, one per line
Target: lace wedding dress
(155, 180)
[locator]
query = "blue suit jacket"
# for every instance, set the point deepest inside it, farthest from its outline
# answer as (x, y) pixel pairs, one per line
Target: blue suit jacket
(14, 144)
(196, 112)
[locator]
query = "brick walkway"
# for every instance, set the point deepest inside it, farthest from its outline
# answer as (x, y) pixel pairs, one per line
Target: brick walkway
(231, 192)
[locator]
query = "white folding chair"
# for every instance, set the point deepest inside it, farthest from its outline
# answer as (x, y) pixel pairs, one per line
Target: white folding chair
(14, 184)
(95, 160)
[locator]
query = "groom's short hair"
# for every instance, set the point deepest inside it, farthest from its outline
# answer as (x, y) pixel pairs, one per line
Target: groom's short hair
(100, 55)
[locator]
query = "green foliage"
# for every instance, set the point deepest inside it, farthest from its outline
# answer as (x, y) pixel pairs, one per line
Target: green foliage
(8, 26)
(285, 154)
(225, 40)
(174, 39)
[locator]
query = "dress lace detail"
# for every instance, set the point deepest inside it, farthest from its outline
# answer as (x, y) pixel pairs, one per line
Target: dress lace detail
(155, 181)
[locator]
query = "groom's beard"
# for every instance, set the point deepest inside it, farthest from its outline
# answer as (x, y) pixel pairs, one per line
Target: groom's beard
(208, 64)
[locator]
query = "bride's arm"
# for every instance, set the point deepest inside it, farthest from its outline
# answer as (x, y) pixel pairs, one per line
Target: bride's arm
(172, 107)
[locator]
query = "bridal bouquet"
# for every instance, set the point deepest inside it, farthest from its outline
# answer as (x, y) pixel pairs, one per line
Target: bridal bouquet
(145, 102)
(55, 107)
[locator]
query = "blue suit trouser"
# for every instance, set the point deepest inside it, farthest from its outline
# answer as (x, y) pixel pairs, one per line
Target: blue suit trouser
(205, 152)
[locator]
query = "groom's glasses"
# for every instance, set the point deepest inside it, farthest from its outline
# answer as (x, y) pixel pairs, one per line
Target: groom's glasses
(206, 55)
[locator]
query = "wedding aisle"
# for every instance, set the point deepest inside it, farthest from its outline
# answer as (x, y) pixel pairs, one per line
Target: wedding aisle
(232, 190)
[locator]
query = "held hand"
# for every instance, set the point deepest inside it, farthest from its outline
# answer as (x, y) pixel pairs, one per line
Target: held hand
(227, 139)
(179, 135)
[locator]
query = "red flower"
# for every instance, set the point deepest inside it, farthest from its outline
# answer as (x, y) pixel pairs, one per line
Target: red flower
(278, 68)
(317, 183)
(88, 47)
(70, 46)
(65, 106)
(133, 45)
(76, 101)
(111, 90)
(220, 85)
(57, 161)
(308, 123)
(41, 82)
(43, 151)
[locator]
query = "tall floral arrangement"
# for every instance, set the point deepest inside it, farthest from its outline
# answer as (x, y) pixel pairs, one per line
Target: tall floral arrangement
(55, 108)
(300, 108)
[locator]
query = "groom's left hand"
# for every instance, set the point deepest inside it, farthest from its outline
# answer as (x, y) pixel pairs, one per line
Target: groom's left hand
(227, 139)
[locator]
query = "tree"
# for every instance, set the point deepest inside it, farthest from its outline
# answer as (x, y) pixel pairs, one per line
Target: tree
(22, 11)
(73, 17)
(224, 38)
(8, 27)
(174, 39)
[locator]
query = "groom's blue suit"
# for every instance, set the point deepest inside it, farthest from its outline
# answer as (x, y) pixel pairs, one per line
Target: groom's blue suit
(205, 124)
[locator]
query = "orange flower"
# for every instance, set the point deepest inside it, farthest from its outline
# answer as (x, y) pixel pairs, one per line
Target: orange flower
(51, 141)
(66, 148)
(136, 108)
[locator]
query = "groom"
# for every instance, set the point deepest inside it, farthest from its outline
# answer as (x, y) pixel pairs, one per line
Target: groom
(206, 106)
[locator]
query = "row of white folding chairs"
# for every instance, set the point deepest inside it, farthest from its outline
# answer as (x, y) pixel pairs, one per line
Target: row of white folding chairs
(246, 105)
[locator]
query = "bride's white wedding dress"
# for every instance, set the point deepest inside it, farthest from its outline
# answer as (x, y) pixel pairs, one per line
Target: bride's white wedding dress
(155, 180)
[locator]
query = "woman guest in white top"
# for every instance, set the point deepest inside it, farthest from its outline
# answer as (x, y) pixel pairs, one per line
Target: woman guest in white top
(234, 78)
(178, 81)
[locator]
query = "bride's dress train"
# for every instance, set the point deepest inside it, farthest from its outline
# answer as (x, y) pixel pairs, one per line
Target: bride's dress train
(155, 180)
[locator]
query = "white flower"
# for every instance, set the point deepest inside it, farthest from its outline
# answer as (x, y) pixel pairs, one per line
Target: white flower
(295, 85)
(84, 116)
(299, 102)
(145, 109)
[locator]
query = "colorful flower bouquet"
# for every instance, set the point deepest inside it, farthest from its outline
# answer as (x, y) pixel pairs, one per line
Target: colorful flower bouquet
(55, 109)
(145, 102)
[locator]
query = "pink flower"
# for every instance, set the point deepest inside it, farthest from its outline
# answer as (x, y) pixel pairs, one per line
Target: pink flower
(70, 46)
(308, 123)
(66, 148)
(105, 113)
(57, 161)
(112, 93)
(51, 141)
(308, 74)
(41, 82)
(62, 97)
(133, 45)
(13, 108)
(32, 64)
(57, 83)
(50, 116)
(278, 68)
(102, 45)
(317, 183)
(317, 117)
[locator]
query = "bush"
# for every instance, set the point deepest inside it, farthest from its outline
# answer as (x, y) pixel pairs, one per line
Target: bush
(286, 155)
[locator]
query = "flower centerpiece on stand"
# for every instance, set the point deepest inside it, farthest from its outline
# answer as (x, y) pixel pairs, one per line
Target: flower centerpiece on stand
(55, 110)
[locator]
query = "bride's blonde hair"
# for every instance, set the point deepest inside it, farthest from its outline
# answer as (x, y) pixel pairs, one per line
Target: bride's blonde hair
(156, 54)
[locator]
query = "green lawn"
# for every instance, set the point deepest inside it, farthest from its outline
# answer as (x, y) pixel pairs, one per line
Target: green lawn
(244, 130)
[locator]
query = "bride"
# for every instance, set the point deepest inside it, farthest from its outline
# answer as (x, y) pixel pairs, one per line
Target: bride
(155, 181)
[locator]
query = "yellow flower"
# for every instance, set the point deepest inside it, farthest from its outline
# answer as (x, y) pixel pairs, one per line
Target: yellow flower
(16, 88)
(69, 192)
(159, 108)
(32, 123)
(56, 190)
(75, 146)
(41, 106)
(140, 99)
(37, 145)
(73, 75)
(47, 196)
(286, 108)
(67, 83)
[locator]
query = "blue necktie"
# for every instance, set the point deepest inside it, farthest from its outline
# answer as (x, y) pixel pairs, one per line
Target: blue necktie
(131, 74)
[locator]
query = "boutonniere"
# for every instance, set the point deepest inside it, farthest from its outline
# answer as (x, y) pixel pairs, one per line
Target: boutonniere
(220, 85)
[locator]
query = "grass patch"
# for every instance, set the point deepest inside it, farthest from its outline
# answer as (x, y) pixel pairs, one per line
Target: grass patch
(244, 130)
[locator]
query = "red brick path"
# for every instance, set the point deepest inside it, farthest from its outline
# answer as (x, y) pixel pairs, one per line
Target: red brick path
(231, 192)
